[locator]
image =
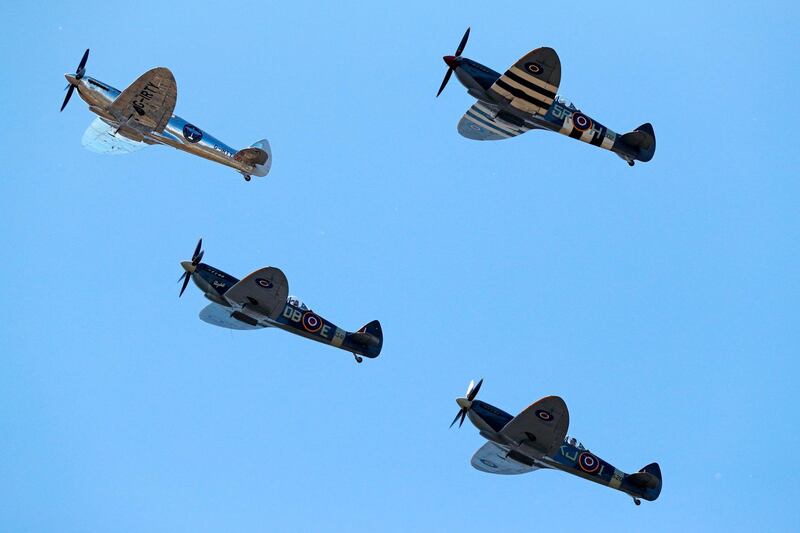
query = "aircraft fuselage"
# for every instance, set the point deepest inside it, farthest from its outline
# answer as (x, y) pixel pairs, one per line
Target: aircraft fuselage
(178, 133)
(570, 458)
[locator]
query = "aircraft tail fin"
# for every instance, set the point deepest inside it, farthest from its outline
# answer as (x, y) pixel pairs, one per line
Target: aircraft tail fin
(643, 142)
(647, 481)
(259, 155)
(369, 339)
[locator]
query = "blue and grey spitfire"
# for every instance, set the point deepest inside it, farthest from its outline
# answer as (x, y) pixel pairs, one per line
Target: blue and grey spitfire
(524, 98)
(261, 300)
(537, 438)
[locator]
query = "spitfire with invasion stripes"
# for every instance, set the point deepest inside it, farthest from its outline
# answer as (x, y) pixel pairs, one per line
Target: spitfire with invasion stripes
(526, 97)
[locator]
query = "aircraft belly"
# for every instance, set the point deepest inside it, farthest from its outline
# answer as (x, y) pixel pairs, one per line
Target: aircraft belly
(185, 136)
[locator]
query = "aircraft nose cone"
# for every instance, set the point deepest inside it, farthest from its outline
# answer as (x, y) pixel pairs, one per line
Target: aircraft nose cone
(451, 61)
(463, 403)
(71, 79)
(187, 266)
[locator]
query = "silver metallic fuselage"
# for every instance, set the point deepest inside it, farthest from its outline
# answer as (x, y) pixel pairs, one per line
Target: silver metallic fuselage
(99, 96)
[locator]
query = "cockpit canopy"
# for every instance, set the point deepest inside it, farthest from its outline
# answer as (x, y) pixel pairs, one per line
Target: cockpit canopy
(572, 441)
(566, 103)
(296, 302)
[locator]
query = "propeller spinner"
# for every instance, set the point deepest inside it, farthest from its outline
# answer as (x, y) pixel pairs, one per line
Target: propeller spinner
(465, 403)
(451, 61)
(75, 78)
(189, 266)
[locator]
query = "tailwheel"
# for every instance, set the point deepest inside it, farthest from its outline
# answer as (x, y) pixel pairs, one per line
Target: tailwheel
(630, 162)
(637, 501)
(246, 177)
(359, 359)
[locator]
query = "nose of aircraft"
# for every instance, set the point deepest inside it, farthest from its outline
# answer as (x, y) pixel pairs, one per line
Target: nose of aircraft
(451, 61)
(71, 79)
(463, 403)
(188, 266)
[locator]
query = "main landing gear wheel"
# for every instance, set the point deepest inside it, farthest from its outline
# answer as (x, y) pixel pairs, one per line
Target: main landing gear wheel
(637, 501)
(246, 177)
(359, 359)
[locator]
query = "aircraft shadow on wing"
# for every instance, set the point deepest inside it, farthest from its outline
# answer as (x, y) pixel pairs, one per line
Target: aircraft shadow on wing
(261, 300)
(525, 98)
(537, 438)
(142, 114)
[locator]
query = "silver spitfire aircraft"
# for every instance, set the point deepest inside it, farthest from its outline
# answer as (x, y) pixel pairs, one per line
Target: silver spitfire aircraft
(524, 98)
(537, 438)
(261, 300)
(142, 115)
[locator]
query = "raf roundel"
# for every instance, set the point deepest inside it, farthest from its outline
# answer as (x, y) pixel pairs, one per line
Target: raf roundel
(534, 68)
(311, 322)
(265, 283)
(192, 133)
(581, 122)
(543, 415)
(488, 463)
(588, 463)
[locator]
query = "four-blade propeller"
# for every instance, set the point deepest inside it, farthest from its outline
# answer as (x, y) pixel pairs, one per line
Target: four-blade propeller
(451, 61)
(189, 266)
(466, 402)
(79, 72)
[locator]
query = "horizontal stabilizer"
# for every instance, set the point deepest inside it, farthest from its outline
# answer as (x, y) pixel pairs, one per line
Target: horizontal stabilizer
(647, 482)
(643, 142)
(367, 340)
(251, 156)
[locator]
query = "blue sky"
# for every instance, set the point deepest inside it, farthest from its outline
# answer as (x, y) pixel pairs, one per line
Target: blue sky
(660, 301)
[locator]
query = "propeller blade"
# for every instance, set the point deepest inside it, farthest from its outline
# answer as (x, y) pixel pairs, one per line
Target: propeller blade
(197, 248)
(474, 392)
(185, 283)
(69, 95)
(461, 45)
(196, 260)
(463, 416)
(456, 418)
(444, 82)
(81, 70)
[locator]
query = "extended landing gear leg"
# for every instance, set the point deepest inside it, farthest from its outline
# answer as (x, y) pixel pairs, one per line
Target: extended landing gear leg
(246, 177)
(358, 358)
(637, 501)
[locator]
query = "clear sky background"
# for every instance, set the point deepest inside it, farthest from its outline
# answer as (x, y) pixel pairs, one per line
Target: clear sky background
(659, 301)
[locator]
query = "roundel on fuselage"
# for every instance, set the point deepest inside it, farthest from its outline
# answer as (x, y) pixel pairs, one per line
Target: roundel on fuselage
(192, 133)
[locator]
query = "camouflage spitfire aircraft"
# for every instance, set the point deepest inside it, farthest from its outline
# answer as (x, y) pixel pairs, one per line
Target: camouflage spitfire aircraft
(524, 98)
(261, 300)
(537, 438)
(142, 115)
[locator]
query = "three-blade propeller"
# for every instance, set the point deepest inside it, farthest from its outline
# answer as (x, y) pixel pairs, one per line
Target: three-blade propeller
(466, 402)
(451, 60)
(189, 266)
(79, 72)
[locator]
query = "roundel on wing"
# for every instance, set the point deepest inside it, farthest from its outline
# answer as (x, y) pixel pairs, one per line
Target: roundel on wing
(543, 415)
(192, 133)
(534, 68)
(588, 463)
(311, 322)
(581, 122)
(265, 283)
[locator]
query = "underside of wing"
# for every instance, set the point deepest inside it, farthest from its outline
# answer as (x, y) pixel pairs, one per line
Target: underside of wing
(102, 138)
(492, 458)
(539, 429)
(221, 316)
(531, 84)
(264, 291)
(147, 104)
(483, 122)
